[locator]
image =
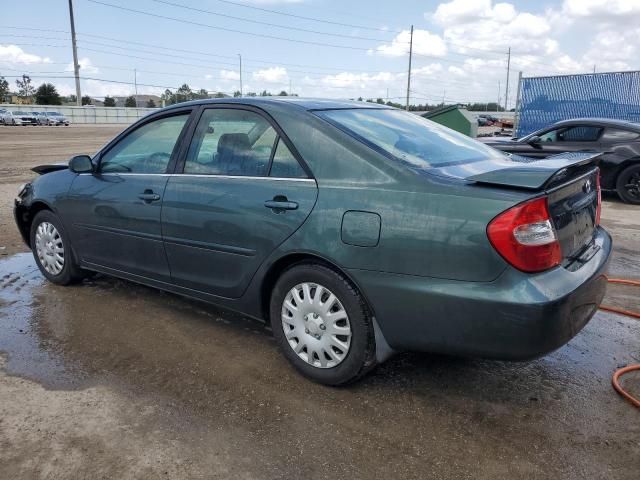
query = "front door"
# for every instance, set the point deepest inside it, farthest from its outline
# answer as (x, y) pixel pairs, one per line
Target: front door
(566, 139)
(241, 194)
(115, 212)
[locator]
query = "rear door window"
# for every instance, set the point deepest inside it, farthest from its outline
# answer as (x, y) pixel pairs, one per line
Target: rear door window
(231, 142)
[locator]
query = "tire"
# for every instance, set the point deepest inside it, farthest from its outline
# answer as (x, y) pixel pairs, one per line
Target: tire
(628, 184)
(331, 363)
(42, 243)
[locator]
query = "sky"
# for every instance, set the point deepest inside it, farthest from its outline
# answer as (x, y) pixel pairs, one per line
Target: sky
(318, 48)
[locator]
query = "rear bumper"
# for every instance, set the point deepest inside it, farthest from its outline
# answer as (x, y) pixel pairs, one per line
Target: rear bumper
(516, 317)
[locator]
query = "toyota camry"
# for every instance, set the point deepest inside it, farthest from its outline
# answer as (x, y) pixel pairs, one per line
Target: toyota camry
(357, 230)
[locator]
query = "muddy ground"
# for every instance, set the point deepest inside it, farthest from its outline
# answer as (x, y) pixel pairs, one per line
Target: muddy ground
(112, 380)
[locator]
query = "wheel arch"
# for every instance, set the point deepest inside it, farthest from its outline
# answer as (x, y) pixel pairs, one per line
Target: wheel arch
(287, 261)
(25, 216)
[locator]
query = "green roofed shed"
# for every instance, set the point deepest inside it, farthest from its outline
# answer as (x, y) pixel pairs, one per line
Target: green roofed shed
(455, 117)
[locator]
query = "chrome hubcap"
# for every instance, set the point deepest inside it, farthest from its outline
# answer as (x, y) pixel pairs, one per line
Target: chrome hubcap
(49, 248)
(316, 325)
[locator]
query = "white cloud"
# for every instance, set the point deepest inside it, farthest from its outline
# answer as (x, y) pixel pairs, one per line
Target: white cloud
(271, 75)
(15, 54)
(85, 67)
(602, 8)
(229, 75)
(424, 43)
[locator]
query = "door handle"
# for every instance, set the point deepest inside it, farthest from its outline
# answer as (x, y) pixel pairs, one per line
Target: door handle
(280, 203)
(148, 196)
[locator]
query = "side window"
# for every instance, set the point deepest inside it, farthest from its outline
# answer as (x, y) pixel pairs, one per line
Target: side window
(579, 134)
(617, 135)
(549, 136)
(145, 150)
(285, 164)
(231, 142)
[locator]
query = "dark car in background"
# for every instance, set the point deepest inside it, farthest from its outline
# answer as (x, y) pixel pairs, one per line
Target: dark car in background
(618, 141)
(355, 229)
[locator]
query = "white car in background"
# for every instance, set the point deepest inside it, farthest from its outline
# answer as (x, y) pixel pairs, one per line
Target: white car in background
(53, 118)
(18, 117)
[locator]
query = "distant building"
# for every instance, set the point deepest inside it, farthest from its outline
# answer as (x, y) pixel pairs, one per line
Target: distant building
(140, 99)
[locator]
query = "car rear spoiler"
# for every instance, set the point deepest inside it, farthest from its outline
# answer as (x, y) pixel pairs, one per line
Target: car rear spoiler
(533, 174)
(54, 167)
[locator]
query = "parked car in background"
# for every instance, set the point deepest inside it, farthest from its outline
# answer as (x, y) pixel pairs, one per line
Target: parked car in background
(40, 116)
(3, 111)
(619, 142)
(355, 229)
(18, 117)
(487, 120)
(54, 118)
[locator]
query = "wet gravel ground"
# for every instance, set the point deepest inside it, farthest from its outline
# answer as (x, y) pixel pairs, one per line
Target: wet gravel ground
(108, 379)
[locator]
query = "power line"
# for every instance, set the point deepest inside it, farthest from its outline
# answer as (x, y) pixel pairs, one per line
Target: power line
(258, 22)
(243, 32)
(301, 17)
(196, 52)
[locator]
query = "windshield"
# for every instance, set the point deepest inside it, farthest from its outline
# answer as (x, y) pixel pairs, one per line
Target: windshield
(410, 138)
(17, 112)
(54, 114)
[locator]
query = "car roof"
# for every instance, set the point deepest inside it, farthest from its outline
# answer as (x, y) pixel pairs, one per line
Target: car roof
(293, 102)
(600, 122)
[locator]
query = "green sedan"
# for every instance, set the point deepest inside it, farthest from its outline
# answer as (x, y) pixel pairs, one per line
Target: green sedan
(355, 229)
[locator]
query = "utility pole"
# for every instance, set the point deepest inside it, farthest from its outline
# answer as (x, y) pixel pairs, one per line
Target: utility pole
(290, 89)
(498, 102)
(506, 88)
(409, 73)
(594, 68)
(76, 67)
(387, 94)
(516, 117)
(240, 57)
(135, 82)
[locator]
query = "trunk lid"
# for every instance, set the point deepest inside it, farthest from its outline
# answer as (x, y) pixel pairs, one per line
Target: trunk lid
(522, 172)
(568, 180)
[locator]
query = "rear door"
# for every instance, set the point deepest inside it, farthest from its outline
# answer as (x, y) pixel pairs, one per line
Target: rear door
(240, 192)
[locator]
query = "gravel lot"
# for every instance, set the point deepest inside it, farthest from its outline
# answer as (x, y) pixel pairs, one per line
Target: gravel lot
(113, 380)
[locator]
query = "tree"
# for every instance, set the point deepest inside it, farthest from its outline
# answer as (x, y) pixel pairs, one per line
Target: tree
(87, 100)
(201, 94)
(283, 94)
(130, 101)
(237, 93)
(25, 89)
(168, 97)
(251, 94)
(4, 89)
(47, 95)
(219, 95)
(151, 103)
(183, 94)
(72, 99)
(265, 94)
(109, 101)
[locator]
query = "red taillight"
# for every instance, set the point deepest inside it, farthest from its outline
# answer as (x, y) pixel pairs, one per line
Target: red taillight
(525, 237)
(599, 206)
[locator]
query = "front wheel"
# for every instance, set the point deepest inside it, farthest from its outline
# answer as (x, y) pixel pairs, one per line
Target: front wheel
(628, 184)
(322, 324)
(52, 250)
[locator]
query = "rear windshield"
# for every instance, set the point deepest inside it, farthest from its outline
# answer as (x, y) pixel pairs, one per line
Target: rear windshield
(410, 138)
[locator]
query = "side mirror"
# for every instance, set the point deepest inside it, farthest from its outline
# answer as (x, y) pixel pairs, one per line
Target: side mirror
(534, 141)
(81, 164)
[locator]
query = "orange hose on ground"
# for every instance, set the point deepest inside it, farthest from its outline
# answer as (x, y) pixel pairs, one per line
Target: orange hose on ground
(615, 381)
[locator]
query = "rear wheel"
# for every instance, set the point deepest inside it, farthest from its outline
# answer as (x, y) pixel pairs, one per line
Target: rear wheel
(52, 250)
(322, 324)
(628, 184)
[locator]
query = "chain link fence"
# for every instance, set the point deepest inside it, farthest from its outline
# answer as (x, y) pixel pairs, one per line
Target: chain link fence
(89, 115)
